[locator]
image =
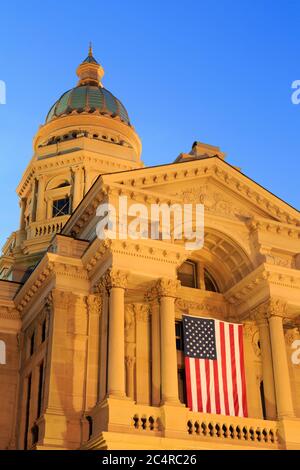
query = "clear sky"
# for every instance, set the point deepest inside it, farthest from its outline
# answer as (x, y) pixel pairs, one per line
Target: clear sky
(215, 71)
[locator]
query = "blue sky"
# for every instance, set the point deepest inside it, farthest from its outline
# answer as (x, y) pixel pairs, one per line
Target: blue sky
(219, 72)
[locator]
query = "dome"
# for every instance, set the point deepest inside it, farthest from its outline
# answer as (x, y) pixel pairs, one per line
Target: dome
(89, 96)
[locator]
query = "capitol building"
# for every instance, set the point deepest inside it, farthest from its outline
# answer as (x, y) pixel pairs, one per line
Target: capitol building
(91, 330)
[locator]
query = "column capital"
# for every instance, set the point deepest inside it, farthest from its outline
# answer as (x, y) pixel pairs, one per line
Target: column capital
(260, 314)
(141, 312)
(273, 307)
(94, 302)
(114, 278)
(167, 287)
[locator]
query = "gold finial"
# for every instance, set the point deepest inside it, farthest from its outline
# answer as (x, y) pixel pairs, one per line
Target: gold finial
(90, 49)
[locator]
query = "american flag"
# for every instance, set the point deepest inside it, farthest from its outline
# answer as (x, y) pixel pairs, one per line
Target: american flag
(214, 366)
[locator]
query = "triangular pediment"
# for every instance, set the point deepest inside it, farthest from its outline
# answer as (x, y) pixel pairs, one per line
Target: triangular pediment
(223, 189)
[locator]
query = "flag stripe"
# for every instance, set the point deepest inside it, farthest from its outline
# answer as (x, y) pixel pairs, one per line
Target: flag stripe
(193, 382)
(188, 382)
(238, 368)
(203, 385)
(207, 373)
(233, 370)
(224, 368)
(199, 394)
(245, 409)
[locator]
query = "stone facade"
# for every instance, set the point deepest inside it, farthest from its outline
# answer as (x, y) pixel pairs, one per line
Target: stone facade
(89, 353)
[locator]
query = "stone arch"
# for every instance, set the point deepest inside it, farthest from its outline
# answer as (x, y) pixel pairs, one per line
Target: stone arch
(57, 182)
(225, 258)
(2, 352)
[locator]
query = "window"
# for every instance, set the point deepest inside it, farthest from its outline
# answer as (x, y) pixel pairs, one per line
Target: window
(2, 352)
(210, 283)
(187, 274)
(34, 434)
(179, 335)
(40, 389)
(31, 349)
(61, 207)
(182, 386)
(44, 330)
(262, 397)
(90, 423)
(27, 411)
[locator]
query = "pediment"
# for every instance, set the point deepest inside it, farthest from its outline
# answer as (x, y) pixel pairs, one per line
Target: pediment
(222, 189)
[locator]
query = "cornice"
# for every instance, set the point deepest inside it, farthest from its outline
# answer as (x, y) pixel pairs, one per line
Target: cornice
(147, 249)
(51, 265)
(265, 273)
(261, 224)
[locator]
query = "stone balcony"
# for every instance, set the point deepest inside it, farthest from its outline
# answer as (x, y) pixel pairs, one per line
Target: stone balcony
(130, 426)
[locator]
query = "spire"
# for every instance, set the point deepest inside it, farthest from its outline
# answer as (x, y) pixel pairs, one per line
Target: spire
(89, 71)
(90, 49)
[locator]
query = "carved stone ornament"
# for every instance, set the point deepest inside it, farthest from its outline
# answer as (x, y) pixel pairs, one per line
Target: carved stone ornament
(94, 303)
(116, 278)
(273, 307)
(129, 318)
(167, 287)
(291, 335)
(251, 332)
(141, 312)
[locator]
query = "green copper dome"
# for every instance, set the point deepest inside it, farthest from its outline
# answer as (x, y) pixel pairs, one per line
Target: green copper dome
(88, 98)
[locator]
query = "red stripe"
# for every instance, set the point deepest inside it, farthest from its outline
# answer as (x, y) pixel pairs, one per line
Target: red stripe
(217, 392)
(224, 368)
(244, 394)
(188, 382)
(233, 371)
(207, 373)
(198, 381)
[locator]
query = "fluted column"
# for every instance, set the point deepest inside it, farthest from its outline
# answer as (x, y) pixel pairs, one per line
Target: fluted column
(116, 283)
(40, 208)
(151, 298)
(77, 187)
(276, 312)
(267, 366)
(166, 290)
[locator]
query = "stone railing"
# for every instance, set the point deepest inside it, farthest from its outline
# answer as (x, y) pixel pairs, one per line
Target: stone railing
(38, 229)
(232, 429)
(209, 428)
(146, 419)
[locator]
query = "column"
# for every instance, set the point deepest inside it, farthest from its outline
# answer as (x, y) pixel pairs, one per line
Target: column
(276, 312)
(40, 208)
(267, 366)
(143, 380)
(77, 187)
(155, 350)
(116, 282)
(166, 289)
(22, 214)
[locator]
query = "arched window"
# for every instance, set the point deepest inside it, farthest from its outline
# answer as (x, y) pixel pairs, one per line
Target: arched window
(210, 283)
(187, 274)
(2, 352)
